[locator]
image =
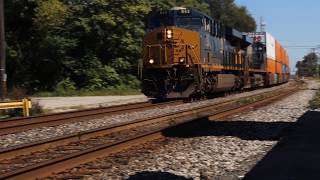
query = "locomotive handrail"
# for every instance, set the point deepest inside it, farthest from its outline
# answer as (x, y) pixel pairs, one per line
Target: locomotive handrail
(151, 45)
(195, 55)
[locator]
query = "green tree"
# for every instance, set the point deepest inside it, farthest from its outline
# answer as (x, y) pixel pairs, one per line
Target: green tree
(53, 43)
(19, 40)
(199, 5)
(112, 31)
(308, 66)
(51, 39)
(232, 15)
(225, 11)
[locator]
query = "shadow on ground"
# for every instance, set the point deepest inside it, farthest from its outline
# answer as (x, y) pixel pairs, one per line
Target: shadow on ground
(247, 130)
(295, 156)
(155, 175)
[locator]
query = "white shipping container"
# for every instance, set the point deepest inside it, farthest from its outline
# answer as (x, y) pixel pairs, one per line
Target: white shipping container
(266, 39)
(258, 37)
(271, 46)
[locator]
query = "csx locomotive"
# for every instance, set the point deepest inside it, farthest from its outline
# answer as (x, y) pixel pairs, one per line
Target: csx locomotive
(187, 54)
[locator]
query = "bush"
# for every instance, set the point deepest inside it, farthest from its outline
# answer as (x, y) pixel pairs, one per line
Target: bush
(66, 85)
(315, 102)
(130, 81)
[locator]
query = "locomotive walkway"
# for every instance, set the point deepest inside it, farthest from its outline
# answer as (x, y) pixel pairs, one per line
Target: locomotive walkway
(296, 155)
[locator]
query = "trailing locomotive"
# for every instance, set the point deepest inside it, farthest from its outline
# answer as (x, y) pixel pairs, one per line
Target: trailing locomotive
(187, 54)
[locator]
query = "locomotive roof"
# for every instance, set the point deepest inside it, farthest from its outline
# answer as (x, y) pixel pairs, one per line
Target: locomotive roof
(179, 11)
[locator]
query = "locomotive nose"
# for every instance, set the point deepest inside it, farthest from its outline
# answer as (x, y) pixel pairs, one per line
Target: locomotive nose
(170, 46)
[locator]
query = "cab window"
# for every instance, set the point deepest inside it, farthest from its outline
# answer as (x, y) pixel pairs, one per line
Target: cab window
(189, 22)
(207, 25)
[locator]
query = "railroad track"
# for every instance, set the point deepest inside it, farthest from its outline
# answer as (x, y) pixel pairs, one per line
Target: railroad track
(22, 124)
(43, 158)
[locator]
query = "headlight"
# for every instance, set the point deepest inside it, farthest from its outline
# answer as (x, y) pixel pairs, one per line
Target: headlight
(182, 59)
(169, 33)
(151, 61)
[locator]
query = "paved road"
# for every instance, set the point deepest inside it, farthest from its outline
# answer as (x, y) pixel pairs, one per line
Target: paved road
(58, 104)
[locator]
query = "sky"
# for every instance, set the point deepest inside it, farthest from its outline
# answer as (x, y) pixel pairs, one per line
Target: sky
(294, 23)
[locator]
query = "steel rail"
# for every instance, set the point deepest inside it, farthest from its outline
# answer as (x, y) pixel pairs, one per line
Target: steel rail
(22, 124)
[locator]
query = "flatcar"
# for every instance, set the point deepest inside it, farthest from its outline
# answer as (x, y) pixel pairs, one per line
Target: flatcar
(187, 54)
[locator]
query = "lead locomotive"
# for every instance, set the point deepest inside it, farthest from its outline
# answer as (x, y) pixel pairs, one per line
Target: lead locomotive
(187, 54)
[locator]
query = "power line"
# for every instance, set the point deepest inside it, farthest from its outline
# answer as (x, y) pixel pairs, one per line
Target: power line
(317, 46)
(302, 46)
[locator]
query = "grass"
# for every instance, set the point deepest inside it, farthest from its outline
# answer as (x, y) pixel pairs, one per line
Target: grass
(103, 92)
(315, 102)
(312, 78)
(245, 101)
(248, 100)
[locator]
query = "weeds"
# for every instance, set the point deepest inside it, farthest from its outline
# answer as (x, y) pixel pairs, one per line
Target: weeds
(315, 102)
(36, 109)
(120, 90)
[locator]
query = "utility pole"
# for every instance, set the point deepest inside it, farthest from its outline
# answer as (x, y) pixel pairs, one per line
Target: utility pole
(262, 25)
(3, 75)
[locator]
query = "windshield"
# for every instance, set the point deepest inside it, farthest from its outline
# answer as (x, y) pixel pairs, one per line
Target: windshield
(192, 23)
(160, 22)
(189, 22)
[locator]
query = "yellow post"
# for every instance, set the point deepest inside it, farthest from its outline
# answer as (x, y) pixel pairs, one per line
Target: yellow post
(26, 105)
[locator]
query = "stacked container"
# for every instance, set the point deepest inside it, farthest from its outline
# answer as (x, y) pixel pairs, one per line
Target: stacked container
(277, 61)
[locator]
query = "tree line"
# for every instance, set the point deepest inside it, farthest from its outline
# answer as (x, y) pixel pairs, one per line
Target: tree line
(89, 44)
(308, 66)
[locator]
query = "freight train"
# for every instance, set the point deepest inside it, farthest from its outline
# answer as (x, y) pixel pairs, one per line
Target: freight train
(187, 54)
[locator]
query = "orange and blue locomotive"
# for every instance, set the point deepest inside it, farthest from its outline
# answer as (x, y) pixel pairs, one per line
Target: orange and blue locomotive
(187, 54)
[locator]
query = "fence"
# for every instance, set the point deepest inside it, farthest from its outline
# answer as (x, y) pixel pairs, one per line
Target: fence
(24, 104)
